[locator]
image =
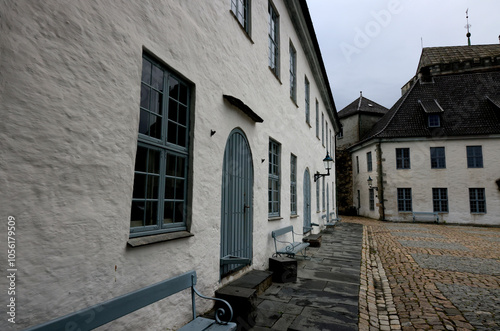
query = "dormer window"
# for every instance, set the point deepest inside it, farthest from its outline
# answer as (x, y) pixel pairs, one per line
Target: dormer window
(434, 120)
(433, 110)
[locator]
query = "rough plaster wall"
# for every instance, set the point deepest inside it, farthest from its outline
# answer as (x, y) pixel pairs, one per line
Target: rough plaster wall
(350, 130)
(70, 76)
(456, 177)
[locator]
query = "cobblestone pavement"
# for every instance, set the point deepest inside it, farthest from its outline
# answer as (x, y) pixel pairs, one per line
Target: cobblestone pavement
(428, 276)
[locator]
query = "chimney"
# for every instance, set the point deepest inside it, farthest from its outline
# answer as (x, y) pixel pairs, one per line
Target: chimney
(499, 38)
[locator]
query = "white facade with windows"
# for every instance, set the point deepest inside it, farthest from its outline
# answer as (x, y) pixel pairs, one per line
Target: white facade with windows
(125, 127)
(453, 189)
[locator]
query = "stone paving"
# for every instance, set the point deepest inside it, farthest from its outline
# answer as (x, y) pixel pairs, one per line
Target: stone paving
(391, 276)
(438, 277)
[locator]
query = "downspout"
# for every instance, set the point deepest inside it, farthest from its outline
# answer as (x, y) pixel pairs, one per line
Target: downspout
(380, 182)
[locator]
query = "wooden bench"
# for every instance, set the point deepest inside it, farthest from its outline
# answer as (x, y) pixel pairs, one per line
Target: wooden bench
(426, 214)
(332, 221)
(100, 314)
(290, 248)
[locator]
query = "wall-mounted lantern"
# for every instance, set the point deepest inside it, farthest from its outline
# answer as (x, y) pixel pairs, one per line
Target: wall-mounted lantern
(328, 163)
(370, 184)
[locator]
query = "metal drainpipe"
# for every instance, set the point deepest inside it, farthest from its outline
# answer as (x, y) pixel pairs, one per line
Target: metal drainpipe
(380, 182)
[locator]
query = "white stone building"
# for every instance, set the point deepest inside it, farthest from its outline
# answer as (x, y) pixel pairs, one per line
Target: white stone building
(139, 139)
(438, 148)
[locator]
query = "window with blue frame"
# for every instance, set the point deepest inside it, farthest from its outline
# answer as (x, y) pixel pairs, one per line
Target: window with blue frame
(293, 73)
(317, 119)
(273, 39)
(434, 120)
(307, 98)
(241, 10)
(293, 184)
(404, 199)
(440, 200)
(317, 197)
(438, 158)
(369, 165)
(402, 158)
(159, 199)
(274, 178)
(477, 200)
(371, 193)
(474, 157)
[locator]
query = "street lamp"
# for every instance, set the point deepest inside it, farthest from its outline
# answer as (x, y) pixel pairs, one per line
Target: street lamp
(370, 184)
(328, 163)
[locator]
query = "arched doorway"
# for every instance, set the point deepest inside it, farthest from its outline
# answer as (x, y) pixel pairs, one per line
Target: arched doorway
(237, 204)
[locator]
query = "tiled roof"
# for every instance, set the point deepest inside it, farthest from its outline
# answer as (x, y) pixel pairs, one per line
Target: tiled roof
(452, 54)
(365, 106)
(470, 103)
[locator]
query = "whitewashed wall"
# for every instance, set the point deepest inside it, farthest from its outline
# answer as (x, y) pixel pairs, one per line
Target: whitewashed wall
(421, 179)
(70, 76)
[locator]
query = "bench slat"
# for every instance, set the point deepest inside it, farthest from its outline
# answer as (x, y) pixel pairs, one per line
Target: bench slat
(100, 314)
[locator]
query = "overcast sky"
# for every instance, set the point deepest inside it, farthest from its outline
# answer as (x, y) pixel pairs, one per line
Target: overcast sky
(374, 45)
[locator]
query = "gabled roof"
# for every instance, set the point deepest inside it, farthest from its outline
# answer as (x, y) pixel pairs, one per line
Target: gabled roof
(469, 101)
(362, 105)
(457, 54)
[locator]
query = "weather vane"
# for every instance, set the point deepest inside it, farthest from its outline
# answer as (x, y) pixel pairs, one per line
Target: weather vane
(468, 25)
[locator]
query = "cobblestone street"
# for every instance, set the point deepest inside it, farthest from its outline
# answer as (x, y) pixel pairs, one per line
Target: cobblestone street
(418, 276)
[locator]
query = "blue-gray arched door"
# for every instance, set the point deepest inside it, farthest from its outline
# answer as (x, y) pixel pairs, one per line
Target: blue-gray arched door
(307, 201)
(236, 205)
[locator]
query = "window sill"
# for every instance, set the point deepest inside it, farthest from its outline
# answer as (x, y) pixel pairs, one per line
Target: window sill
(275, 75)
(146, 240)
(245, 32)
(294, 102)
(277, 218)
(294, 216)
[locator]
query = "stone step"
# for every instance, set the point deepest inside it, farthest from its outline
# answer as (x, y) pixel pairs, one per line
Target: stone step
(242, 293)
(314, 240)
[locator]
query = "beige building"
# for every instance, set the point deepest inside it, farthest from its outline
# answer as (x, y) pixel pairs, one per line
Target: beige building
(438, 148)
(141, 140)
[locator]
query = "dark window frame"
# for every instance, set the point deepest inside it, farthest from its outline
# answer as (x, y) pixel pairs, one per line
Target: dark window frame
(405, 203)
(477, 200)
(438, 157)
(161, 194)
(274, 182)
(403, 158)
(475, 156)
(440, 200)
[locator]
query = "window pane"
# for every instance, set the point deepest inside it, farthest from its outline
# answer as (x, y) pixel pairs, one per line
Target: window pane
(152, 188)
(172, 110)
(137, 214)
(168, 212)
(155, 126)
(144, 122)
(179, 189)
(173, 85)
(181, 169)
(181, 139)
(151, 213)
(141, 159)
(156, 102)
(146, 71)
(182, 115)
(157, 78)
(139, 186)
(154, 161)
(172, 133)
(183, 94)
(145, 96)
(169, 188)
